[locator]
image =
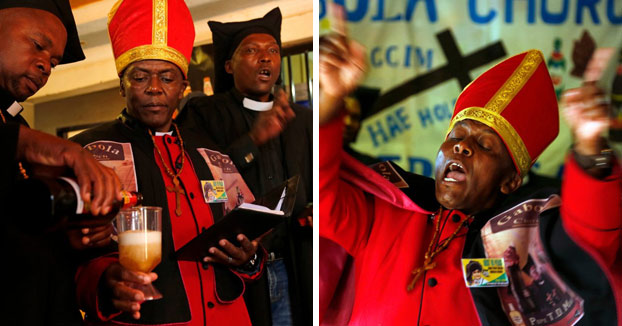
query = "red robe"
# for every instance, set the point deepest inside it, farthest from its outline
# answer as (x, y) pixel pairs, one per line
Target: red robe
(388, 235)
(198, 282)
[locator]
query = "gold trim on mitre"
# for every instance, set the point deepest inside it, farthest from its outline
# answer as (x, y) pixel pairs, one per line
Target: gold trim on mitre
(160, 22)
(515, 82)
(151, 52)
(113, 10)
(508, 134)
(490, 115)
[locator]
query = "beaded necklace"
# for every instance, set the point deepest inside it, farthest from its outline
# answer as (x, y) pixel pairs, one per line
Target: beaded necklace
(176, 188)
(429, 262)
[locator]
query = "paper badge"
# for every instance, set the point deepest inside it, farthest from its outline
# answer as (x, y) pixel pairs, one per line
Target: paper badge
(484, 272)
(214, 191)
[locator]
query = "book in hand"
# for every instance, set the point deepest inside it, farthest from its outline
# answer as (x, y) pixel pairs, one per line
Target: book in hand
(252, 220)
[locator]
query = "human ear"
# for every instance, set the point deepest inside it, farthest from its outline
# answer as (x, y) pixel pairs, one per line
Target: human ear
(184, 85)
(511, 183)
(228, 67)
(121, 87)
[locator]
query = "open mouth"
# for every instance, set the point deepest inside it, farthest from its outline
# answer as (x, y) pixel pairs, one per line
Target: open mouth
(265, 74)
(455, 172)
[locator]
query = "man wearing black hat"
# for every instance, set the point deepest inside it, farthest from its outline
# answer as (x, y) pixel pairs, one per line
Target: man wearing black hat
(36, 36)
(268, 145)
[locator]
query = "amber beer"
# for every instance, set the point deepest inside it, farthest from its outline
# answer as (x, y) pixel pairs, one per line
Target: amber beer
(140, 250)
(140, 243)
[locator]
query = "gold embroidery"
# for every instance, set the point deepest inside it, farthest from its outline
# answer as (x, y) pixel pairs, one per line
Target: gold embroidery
(490, 115)
(160, 22)
(113, 11)
(515, 144)
(146, 52)
(515, 83)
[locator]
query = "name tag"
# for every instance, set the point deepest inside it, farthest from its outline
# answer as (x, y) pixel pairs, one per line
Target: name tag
(214, 191)
(484, 272)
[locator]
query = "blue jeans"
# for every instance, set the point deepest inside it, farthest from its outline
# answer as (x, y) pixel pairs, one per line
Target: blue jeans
(279, 293)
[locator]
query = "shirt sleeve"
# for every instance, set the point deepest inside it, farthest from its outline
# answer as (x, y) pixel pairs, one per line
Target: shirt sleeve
(88, 279)
(346, 212)
(591, 209)
(9, 134)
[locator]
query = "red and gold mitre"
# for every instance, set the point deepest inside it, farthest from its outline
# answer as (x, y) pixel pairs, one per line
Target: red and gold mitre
(151, 29)
(515, 98)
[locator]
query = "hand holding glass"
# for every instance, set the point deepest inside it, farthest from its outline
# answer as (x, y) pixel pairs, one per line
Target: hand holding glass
(140, 243)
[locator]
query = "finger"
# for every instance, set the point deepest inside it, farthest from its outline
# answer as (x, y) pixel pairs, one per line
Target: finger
(232, 251)
(99, 233)
(98, 187)
(112, 188)
(218, 256)
(135, 277)
(126, 295)
(127, 306)
(84, 181)
(246, 244)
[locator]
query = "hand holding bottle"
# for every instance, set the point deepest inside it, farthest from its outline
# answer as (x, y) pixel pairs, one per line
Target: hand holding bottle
(39, 148)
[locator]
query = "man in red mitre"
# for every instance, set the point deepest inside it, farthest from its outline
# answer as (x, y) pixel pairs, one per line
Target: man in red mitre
(152, 44)
(411, 245)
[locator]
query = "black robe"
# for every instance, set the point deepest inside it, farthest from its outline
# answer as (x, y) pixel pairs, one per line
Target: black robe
(150, 184)
(39, 287)
(223, 119)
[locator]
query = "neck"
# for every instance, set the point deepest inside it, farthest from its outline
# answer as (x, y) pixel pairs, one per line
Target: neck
(257, 97)
(5, 100)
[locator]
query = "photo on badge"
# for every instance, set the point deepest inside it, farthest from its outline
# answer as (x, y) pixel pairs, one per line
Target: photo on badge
(214, 191)
(484, 272)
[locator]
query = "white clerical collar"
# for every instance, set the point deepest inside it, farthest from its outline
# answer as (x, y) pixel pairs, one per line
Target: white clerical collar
(256, 105)
(14, 109)
(170, 133)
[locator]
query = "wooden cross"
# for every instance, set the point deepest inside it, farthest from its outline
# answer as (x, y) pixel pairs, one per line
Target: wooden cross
(457, 66)
(178, 191)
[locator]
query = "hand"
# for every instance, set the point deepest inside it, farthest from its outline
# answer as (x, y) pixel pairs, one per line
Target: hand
(90, 237)
(233, 256)
(271, 123)
(123, 297)
(42, 149)
(510, 257)
(588, 117)
(342, 67)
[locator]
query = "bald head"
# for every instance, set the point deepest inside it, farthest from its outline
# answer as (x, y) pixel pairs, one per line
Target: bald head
(32, 42)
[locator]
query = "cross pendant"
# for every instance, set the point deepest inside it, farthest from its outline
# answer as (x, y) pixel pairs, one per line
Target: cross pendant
(178, 191)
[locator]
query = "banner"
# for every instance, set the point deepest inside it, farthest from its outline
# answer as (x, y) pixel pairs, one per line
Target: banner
(422, 53)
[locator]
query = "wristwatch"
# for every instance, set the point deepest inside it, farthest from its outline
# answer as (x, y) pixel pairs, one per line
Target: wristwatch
(251, 264)
(598, 161)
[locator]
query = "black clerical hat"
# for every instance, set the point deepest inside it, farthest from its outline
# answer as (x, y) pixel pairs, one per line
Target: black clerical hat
(227, 37)
(62, 10)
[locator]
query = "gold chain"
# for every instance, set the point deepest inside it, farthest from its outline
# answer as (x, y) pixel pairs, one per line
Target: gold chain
(21, 167)
(429, 262)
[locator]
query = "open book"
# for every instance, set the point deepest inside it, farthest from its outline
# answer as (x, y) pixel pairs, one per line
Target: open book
(251, 220)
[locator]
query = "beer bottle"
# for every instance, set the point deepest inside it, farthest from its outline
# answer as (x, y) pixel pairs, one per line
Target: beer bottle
(515, 316)
(58, 201)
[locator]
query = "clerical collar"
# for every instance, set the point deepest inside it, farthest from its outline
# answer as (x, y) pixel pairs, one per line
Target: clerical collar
(14, 109)
(158, 133)
(256, 105)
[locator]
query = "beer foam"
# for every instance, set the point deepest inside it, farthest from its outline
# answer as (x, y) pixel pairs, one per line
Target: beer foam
(129, 238)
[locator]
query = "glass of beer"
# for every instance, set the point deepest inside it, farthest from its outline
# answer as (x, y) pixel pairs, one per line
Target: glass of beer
(140, 243)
